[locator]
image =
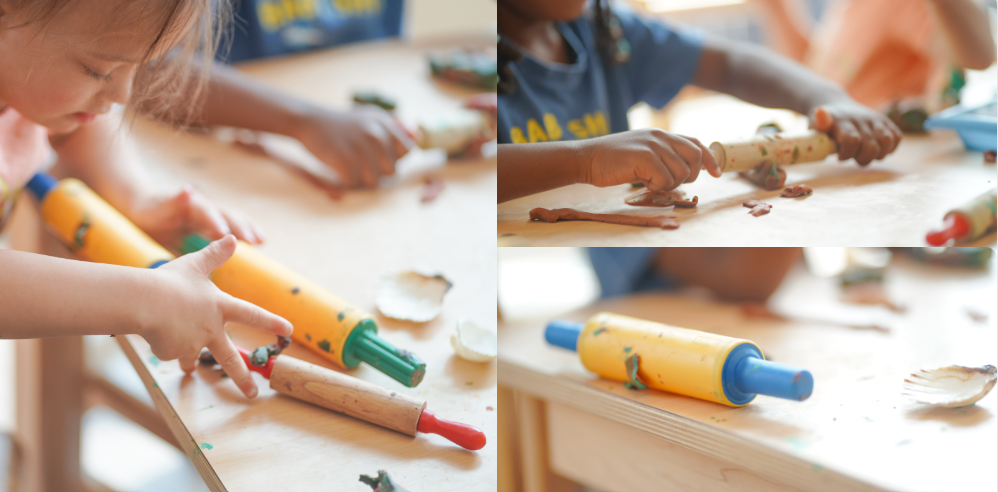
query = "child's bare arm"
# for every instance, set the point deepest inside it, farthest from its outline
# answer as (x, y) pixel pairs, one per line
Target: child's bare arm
(788, 27)
(659, 159)
(102, 154)
(736, 274)
(360, 144)
(967, 30)
(762, 77)
(174, 307)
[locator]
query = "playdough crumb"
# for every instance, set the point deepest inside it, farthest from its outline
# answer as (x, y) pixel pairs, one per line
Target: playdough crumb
(989, 157)
(688, 204)
(382, 483)
(796, 190)
(432, 186)
(758, 207)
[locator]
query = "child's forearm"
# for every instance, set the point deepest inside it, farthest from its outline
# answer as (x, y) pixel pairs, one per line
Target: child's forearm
(968, 32)
(525, 169)
(761, 77)
(736, 274)
(43, 296)
(234, 99)
(101, 154)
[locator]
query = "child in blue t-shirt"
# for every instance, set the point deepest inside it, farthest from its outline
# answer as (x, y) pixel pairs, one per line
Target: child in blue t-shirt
(568, 77)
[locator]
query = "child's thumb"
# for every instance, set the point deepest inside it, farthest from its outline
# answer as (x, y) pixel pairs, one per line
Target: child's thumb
(821, 120)
(213, 256)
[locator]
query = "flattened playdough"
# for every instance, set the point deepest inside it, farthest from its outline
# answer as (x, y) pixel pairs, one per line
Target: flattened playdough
(660, 221)
(796, 190)
(758, 207)
(767, 176)
(648, 198)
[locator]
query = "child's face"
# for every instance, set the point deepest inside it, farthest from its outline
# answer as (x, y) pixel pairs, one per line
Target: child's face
(547, 10)
(65, 72)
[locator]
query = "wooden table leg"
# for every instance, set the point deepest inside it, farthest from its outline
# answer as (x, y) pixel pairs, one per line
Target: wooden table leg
(535, 465)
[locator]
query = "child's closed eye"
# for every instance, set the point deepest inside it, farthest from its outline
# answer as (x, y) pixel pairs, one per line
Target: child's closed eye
(95, 74)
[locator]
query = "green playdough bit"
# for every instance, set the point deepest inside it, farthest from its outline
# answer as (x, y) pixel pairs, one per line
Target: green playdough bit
(207, 446)
(631, 363)
(383, 483)
(374, 99)
(260, 356)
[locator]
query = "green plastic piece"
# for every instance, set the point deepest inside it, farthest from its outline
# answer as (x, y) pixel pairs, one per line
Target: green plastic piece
(364, 345)
(193, 242)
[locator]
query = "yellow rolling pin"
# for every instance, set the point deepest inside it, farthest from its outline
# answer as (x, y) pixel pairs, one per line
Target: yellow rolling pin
(644, 354)
(330, 326)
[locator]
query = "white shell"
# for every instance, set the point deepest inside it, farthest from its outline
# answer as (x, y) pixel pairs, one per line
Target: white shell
(411, 296)
(953, 386)
(474, 343)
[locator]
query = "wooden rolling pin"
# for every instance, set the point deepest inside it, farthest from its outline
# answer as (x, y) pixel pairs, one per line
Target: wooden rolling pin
(781, 149)
(357, 398)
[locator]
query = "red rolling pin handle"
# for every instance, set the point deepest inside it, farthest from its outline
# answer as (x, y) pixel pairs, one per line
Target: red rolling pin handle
(264, 371)
(463, 435)
(955, 227)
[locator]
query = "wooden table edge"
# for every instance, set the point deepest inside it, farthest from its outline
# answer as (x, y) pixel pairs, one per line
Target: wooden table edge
(678, 430)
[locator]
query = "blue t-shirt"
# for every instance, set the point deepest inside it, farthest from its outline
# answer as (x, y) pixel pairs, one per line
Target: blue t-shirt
(265, 28)
(590, 98)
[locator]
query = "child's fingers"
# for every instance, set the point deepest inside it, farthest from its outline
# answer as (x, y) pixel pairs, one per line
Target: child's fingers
(884, 137)
(207, 219)
(869, 147)
(188, 363)
(240, 225)
(402, 138)
(225, 353)
(848, 138)
(684, 161)
(213, 256)
(821, 119)
(707, 161)
(246, 314)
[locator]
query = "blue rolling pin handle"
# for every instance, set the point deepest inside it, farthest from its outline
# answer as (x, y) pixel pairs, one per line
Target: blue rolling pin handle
(41, 183)
(563, 333)
(754, 375)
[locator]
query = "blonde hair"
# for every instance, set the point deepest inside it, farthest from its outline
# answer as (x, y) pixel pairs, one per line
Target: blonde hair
(169, 88)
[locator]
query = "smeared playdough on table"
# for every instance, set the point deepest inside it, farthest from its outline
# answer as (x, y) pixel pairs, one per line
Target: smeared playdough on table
(758, 207)
(382, 483)
(412, 296)
(659, 221)
(432, 186)
(767, 176)
(648, 198)
(796, 190)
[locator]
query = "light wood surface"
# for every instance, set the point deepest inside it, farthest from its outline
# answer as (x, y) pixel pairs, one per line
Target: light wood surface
(855, 433)
(894, 202)
(279, 443)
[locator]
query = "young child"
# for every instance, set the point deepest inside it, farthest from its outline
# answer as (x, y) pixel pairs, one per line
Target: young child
(884, 51)
(63, 64)
(568, 77)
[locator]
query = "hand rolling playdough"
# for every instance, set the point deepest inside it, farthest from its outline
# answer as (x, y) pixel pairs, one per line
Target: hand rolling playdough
(660, 221)
(758, 159)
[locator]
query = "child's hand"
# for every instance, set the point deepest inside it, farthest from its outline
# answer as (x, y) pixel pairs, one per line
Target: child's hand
(361, 144)
(188, 312)
(861, 132)
(659, 159)
(168, 218)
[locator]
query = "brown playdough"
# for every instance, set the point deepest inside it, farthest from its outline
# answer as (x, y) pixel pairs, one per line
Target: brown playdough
(660, 221)
(648, 198)
(432, 186)
(758, 207)
(989, 157)
(796, 190)
(687, 204)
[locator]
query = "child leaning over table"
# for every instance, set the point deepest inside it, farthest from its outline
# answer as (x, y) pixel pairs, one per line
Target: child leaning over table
(63, 65)
(568, 75)
(748, 275)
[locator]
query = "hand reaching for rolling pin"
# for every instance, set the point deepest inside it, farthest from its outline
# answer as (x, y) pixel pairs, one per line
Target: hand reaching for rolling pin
(191, 312)
(860, 132)
(659, 159)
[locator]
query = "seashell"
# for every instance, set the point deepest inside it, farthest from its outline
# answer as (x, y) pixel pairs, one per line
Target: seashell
(411, 296)
(953, 386)
(474, 343)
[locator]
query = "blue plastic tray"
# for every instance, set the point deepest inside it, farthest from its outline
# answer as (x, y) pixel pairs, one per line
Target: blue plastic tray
(977, 126)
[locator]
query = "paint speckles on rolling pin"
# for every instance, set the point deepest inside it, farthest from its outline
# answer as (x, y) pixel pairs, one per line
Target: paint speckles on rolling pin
(154, 360)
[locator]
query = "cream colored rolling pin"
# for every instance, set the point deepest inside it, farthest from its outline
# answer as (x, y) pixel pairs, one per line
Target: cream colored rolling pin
(781, 149)
(358, 398)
